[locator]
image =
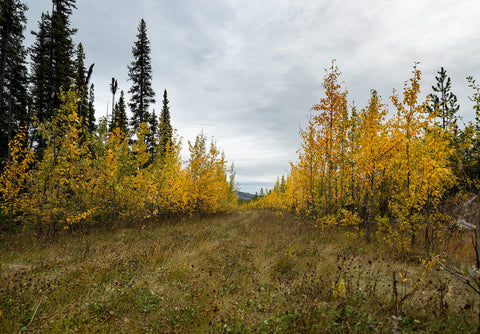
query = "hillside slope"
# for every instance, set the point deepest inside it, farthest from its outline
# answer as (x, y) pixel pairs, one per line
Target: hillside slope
(244, 196)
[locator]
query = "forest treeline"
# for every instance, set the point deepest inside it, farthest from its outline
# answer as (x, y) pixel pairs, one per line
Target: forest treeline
(31, 95)
(61, 169)
(383, 172)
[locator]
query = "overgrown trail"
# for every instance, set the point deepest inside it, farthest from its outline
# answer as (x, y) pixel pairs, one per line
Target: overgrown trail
(246, 271)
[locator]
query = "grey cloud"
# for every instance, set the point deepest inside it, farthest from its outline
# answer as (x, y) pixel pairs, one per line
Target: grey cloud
(247, 72)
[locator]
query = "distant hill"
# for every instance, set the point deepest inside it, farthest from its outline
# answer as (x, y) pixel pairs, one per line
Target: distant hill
(244, 196)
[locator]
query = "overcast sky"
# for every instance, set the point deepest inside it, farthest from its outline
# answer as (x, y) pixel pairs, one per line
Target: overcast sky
(247, 72)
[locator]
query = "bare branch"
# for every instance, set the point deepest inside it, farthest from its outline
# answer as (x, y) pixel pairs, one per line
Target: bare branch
(456, 274)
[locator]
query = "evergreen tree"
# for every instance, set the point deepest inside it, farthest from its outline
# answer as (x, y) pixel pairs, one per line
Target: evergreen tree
(41, 76)
(52, 63)
(61, 48)
(165, 131)
(81, 80)
(444, 105)
(140, 73)
(91, 110)
(119, 116)
(13, 73)
(467, 145)
(113, 89)
(150, 137)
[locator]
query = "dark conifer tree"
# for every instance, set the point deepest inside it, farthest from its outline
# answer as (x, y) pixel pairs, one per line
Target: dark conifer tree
(81, 81)
(119, 116)
(444, 105)
(42, 72)
(52, 62)
(61, 48)
(165, 131)
(140, 73)
(91, 110)
(113, 89)
(142, 94)
(13, 73)
(150, 138)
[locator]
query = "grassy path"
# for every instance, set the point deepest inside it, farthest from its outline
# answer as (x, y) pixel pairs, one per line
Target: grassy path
(248, 271)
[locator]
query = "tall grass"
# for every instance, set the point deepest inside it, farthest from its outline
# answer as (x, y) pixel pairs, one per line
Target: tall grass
(248, 271)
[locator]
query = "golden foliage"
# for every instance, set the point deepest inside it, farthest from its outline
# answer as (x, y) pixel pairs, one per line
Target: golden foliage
(385, 175)
(109, 177)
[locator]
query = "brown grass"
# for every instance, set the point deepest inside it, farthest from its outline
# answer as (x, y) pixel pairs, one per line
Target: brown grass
(248, 271)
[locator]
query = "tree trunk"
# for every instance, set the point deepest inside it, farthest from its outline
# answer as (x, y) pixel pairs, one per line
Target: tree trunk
(369, 209)
(427, 228)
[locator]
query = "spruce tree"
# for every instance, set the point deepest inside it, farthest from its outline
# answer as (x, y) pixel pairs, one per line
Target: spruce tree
(150, 137)
(81, 80)
(142, 94)
(42, 71)
(113, 89)
(52, 62)
(91, 110)
(61, 48)
(119, 116)
(140, 73)
(444, 105)
(165, 131)
(13, 73)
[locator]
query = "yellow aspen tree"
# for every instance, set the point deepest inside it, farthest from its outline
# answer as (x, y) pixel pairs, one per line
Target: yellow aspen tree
(197, 173)
(292, 189)
(409, 122)
(60, 185)
(223, 194)
(114, 165)
(169, 180)
(207, 177)
(434, 176)
(16, 176)
(353, 135)
(375, 150)
(343, 128)
(311, 171)
(139, 184)
(328, 123)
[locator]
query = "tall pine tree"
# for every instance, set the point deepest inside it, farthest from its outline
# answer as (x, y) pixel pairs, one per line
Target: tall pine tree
(42, 71)
(444, 105)
(165, 131)
(119, 116)
(150, 137)
(13, 73)
(142, 94)
(91, 110)
(140, 73)
(113, 89)
(52, 62)
(81, 81)
(62, 48)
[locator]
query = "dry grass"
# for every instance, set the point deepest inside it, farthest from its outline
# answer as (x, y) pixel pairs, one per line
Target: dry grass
(249, 271)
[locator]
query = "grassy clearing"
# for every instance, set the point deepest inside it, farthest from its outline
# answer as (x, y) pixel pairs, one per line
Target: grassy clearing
(249, 271)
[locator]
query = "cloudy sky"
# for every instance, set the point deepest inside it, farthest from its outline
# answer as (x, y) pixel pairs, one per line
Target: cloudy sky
(247, 72)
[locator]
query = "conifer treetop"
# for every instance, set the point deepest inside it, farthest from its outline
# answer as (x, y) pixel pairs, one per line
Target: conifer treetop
(140, 74)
